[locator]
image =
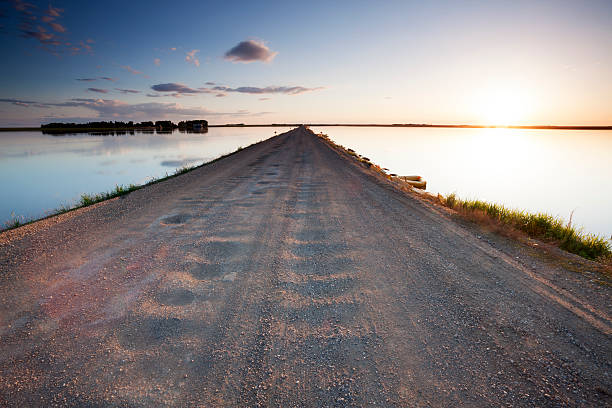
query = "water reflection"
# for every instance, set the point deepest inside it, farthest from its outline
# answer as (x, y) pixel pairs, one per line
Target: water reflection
(553, 171)
(42, 171)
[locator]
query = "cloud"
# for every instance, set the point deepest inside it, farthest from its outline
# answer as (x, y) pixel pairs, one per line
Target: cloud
(50, 33)
(250, 51)
(98, 90)
(54, 12)
(192, 59)
(173, 49)
(157, 61)
(24, 103)
(23, 6)
(86, 47)
(95, 79)
(127, 91)
(210, 83)
(116, 108)
(41, 34)
(112, 109)
(132, 70)
(288, 90)
(58, 27)
(264, 99)
(155, 95)
(176, 88)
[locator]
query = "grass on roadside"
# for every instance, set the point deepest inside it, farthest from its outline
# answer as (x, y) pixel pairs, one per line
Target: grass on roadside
(540, 226)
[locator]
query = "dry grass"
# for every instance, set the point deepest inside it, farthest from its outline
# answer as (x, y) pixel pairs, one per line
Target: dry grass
(540, 226)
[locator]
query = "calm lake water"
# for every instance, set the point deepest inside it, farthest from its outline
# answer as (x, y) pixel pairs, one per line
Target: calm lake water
(552, 171)
(538, 170)
(40, 172)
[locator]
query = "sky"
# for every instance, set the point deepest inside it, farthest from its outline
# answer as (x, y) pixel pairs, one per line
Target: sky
(460, 62)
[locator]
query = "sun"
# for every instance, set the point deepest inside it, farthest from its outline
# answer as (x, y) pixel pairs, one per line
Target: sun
(503, 106)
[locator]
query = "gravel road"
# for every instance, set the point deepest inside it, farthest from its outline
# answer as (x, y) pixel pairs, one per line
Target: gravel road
(286, 275)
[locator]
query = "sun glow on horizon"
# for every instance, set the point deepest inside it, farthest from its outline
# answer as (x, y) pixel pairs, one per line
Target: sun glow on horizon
(503, 106)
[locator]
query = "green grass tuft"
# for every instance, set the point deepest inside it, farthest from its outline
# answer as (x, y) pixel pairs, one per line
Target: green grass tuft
(89, 199)
(540, 225)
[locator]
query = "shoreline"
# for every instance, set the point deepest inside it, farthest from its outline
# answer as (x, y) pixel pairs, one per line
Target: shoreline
(398, 125)
(584, 240)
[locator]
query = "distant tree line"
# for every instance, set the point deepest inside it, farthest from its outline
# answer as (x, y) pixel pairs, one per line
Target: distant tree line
(193, 124)
(98, 125)
(160, 124)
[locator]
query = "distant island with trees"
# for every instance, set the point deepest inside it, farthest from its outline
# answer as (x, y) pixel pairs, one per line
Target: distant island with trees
(164, 125)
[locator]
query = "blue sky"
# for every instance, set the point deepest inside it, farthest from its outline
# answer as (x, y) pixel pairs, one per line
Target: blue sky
(546, 62)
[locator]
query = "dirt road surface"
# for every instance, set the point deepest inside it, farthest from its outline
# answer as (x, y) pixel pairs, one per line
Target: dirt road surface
(289, 275)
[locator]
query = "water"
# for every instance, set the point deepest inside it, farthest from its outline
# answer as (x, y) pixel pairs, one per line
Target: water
(40, 172)
(559, 172)
(554, 171)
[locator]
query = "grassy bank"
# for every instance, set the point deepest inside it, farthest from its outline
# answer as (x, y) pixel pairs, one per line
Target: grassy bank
(118, 191)
(541, 226)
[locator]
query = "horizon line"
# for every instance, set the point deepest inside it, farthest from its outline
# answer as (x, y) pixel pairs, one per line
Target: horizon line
(432, 125)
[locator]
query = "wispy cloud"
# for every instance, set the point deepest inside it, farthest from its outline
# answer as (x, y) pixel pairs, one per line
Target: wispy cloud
(288, 90)
(58, 27)
(178, 89)
(95, 79)
(192, 59)
(24, 103)
(157, 61)
(54, 11)
(175, 87)
(112, 109)
(133, 71)
(86, 46)
(117, 108)
(42, 26)
(127, 91)
(98, 90)
(41, 34)
(250, 51)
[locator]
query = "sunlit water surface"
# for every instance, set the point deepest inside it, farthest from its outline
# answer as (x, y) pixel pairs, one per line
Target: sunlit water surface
(552, 171)
(40, 172)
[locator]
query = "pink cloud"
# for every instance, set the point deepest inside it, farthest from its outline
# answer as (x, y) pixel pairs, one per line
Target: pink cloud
(191, 58)
(132, 70)
(54, 12)
(58, 27)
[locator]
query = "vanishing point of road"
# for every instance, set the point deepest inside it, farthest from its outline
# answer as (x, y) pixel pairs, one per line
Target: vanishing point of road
(290, 274)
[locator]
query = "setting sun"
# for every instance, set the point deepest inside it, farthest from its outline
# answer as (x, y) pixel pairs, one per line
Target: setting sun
(503, 106)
